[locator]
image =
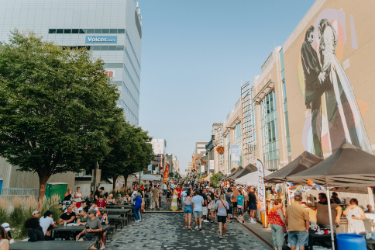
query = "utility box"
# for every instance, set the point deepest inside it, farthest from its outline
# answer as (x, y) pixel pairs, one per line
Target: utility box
(1, 185)
(58, 188)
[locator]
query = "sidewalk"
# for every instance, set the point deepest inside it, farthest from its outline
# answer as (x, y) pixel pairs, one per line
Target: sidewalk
(258, 229)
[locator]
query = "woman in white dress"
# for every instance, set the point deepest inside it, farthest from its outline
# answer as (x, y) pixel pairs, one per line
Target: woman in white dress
(78, 197)
(4, 239)
(355, 216)
(174, 200)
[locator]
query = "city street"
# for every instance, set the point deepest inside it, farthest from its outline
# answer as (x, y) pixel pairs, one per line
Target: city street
(165, 231)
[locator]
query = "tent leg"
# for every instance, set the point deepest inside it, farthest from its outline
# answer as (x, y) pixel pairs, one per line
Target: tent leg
(330, 219)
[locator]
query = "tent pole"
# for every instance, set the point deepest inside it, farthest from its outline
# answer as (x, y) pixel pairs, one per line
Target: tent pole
(330, 219)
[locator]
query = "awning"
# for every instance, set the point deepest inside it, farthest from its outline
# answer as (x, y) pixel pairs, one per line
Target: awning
(247, 170)
(301, 163)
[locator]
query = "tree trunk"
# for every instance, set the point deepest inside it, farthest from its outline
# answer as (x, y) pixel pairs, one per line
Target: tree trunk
(126, 180)
(114, 182)
(43, 178)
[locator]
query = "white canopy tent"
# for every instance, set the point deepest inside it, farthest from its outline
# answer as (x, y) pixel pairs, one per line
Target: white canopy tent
(148, 177)
(251, 179)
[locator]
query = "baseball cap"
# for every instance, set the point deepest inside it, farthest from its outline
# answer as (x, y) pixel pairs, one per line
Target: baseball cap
(207, 187)
(35, 212)
(119, 195)
(134, 193)
(92, 211)
(6, 226)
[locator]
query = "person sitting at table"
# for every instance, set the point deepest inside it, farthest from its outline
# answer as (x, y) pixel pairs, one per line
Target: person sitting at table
(4, 239)
(67, 217)
(92, 227)
(47, 223)
(119, 200)
(105, 221)
(127, 198)
(322, 214)
(110, 199)
(34, 230)
(83, 217)
(101, 202)
(335, 198)
(74, 207)
(369, 209)
(355, 216)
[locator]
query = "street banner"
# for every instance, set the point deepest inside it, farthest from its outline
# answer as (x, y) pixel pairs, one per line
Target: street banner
(212, 164)
(261, 189)
(166, 172)
(235, 153)
(149, 167)
(202, 168)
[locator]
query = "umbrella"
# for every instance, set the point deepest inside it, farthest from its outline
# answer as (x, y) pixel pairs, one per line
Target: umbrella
(247, 170)
(349, 166)
(302, 162)
(149, 177)
(251, 179)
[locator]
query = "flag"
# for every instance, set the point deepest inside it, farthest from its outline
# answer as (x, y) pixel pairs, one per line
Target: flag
(166, 172)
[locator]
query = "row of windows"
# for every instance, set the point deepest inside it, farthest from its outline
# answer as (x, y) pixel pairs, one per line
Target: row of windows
(127, 109)
(131, 79)
(97, 48)
(86, 31)
(131, 62)
(113, 65)
(130, 94)
(131, 45)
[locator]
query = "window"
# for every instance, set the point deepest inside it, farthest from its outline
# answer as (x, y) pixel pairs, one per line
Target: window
(121, 31)
(51, 31)
(82, 31)
(131, 45)
(67, 31)
(75, 31)
(131, 79)
(113, 65)
(105, 31)
(88, 31)
(113, 31)
(60, 31)
(131, 62)
(98, 31)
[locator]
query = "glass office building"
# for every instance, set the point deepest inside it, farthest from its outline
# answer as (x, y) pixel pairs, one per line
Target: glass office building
(111, 29)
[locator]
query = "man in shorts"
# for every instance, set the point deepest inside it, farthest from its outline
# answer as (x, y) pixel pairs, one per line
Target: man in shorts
(228, 198)
(92, 227)
(221, 209)
(197, 202)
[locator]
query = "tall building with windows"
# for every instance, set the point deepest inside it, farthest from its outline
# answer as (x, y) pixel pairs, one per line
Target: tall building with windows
(111, 29)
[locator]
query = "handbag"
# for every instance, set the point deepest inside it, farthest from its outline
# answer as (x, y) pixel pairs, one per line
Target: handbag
(209, 205)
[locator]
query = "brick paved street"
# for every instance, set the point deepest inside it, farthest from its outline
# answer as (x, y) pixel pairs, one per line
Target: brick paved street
(165, 231)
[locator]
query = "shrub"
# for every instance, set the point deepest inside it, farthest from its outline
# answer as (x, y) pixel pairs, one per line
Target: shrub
(4, 206)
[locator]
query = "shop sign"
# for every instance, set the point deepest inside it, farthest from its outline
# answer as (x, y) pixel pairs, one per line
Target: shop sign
(101, 39)
(212, 164)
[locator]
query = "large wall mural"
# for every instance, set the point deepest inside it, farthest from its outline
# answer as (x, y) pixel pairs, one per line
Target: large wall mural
(333, 112)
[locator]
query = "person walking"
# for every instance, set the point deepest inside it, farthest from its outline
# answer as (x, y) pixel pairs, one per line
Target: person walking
(165, 189)
(137, 207)
(174, 200)
(211, 206)
(204, 206)
(188, 210)
(277, 221)
(240, 202)
(222, 207)
(252, 204)
(234, 200)
(169, 197)
(155, 197)
(298, 222)
(197, 202)
(228, 198)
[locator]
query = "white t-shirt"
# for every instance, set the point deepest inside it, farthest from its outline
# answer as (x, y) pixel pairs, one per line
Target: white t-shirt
(164, 186)
(197, 200)
(183, 195)
(45, 223)
(172, 185)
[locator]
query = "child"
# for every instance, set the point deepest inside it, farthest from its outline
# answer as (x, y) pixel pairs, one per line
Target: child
(240, 219)
(104, 222)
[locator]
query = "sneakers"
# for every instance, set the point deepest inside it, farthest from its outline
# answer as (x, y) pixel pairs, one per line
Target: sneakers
(220, 236)
(200, 228)
(205, 221)
(224, 235)
(102, 247)
(196, 228)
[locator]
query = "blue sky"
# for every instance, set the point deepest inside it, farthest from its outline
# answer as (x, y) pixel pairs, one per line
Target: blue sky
(195, 55)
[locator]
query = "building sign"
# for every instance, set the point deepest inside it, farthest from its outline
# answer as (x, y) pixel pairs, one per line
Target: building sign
(212, 164)
(101, 39)
(235, 153)
(202, 169)
(110, 72)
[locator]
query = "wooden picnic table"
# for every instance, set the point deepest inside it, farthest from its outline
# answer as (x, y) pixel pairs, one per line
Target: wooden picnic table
(61, 228)
(113, 216)
(120, 206)
(55, 245)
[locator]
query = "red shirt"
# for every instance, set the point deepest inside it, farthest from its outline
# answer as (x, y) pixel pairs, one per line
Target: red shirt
(179, 193)
(101, 204)
(142, 188)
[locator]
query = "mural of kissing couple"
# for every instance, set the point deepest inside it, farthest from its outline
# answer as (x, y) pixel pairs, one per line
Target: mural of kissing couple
(335, 115)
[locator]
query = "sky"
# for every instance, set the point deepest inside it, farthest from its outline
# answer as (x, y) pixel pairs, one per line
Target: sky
(196, 54)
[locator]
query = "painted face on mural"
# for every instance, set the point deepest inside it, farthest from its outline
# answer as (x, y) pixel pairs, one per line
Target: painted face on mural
(310, 38)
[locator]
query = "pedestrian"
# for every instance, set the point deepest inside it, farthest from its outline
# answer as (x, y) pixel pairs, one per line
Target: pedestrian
(197, 202)
(78, 197)
(234, 200)
(355, 216)
(174, 205)
(155, 198)
(165, 188)
(222, 208)
(228, 198)
(240, 201)
(179, 191)
(277, 221)
(188, 210)
(211, 206)
(204, 206)
(137, 206)
(147, 198)
(252, 205)
(298, 222)
(169, 197)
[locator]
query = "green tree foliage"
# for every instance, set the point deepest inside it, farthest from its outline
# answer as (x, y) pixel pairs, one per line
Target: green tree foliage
(54, 104)
(215, 179)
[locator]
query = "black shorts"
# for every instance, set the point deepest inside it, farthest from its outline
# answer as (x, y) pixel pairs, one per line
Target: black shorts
(221, 219)
(234, 204)
(178, 200)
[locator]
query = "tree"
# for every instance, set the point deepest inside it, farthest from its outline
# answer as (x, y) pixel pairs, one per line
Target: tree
(55, 104)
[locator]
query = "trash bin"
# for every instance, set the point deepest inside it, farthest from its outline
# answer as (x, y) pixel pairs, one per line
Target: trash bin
(58, 188)
(1, 185)
(347, 241)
